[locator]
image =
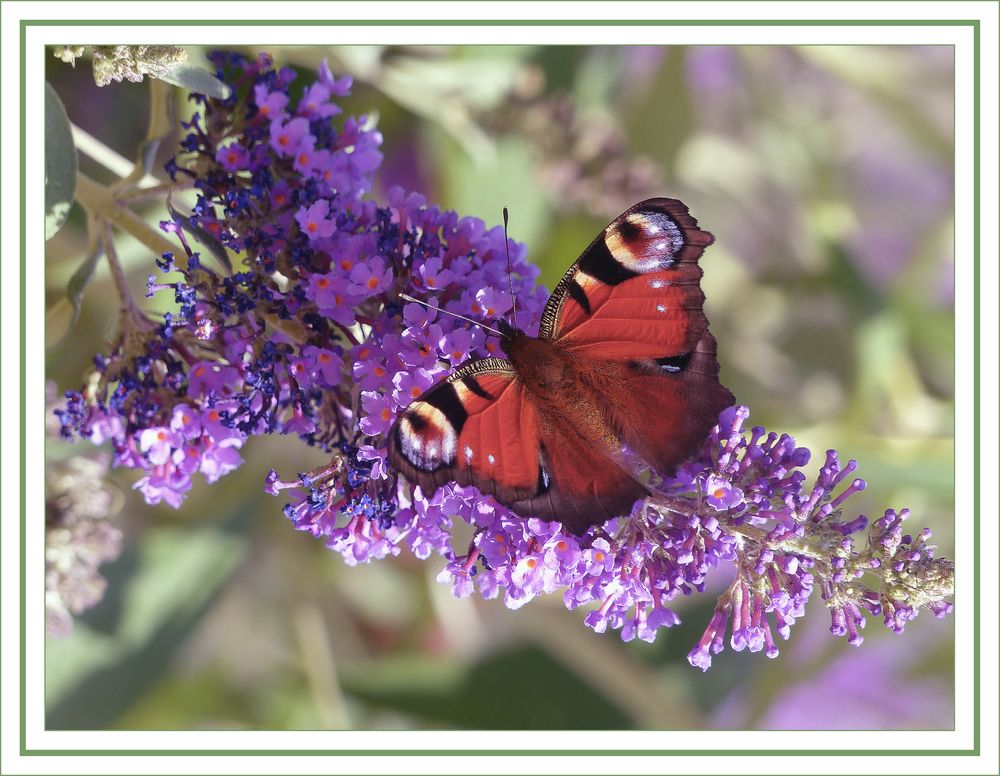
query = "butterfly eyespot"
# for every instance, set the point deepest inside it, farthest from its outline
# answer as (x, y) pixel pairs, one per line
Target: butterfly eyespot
(631, 244)
(468, 454)
(490, 458)
(426, 437)
(661, 308)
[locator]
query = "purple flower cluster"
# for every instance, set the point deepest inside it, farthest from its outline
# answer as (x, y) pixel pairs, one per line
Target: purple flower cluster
(742, 501)
(309, 337)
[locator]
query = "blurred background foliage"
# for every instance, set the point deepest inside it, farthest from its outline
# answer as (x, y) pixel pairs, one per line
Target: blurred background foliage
(825, 174)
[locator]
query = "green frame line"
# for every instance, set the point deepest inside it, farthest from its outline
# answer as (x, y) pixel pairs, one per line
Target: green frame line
(22, 343)
(973, 752)
(976, 398)
(508, 23)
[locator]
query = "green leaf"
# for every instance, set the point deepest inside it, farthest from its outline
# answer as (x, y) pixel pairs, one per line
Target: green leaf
(61, 163)
(195, 79)
(204, 237)
(161, 124)
(79, 282)
(526, 689)
(157, 594)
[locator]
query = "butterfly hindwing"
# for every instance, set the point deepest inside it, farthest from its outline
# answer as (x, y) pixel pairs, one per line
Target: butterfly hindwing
(662, 409)
(581, 484)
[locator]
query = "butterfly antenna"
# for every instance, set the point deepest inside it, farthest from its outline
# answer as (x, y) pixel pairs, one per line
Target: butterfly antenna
(490, 329)
(510, 274)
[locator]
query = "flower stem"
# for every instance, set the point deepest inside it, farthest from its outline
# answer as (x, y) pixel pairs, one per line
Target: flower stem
(131, 312)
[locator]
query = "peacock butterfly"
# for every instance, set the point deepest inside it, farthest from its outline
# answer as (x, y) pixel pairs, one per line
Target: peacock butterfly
(623, 358)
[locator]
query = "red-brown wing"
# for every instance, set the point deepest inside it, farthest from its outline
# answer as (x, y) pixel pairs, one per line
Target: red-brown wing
(635, 292)
(663, 409)
(580, 485)
(481, 427)
(630, 310)
(477, 427)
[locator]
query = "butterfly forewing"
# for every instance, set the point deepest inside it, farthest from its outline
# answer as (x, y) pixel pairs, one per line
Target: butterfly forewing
(634, 292)
(477, 427)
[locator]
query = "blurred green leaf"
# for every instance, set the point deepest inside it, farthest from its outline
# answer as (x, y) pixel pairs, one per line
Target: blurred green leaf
(77, 285)
(161, 125)
(485, 186)
(61, 163)
(521, 688)
(167, 586)
(196, 79)
(850, 284)
(664, 120)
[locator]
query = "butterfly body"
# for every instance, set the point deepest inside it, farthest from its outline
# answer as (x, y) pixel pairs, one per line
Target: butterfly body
(623, 359)
(563, 387)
